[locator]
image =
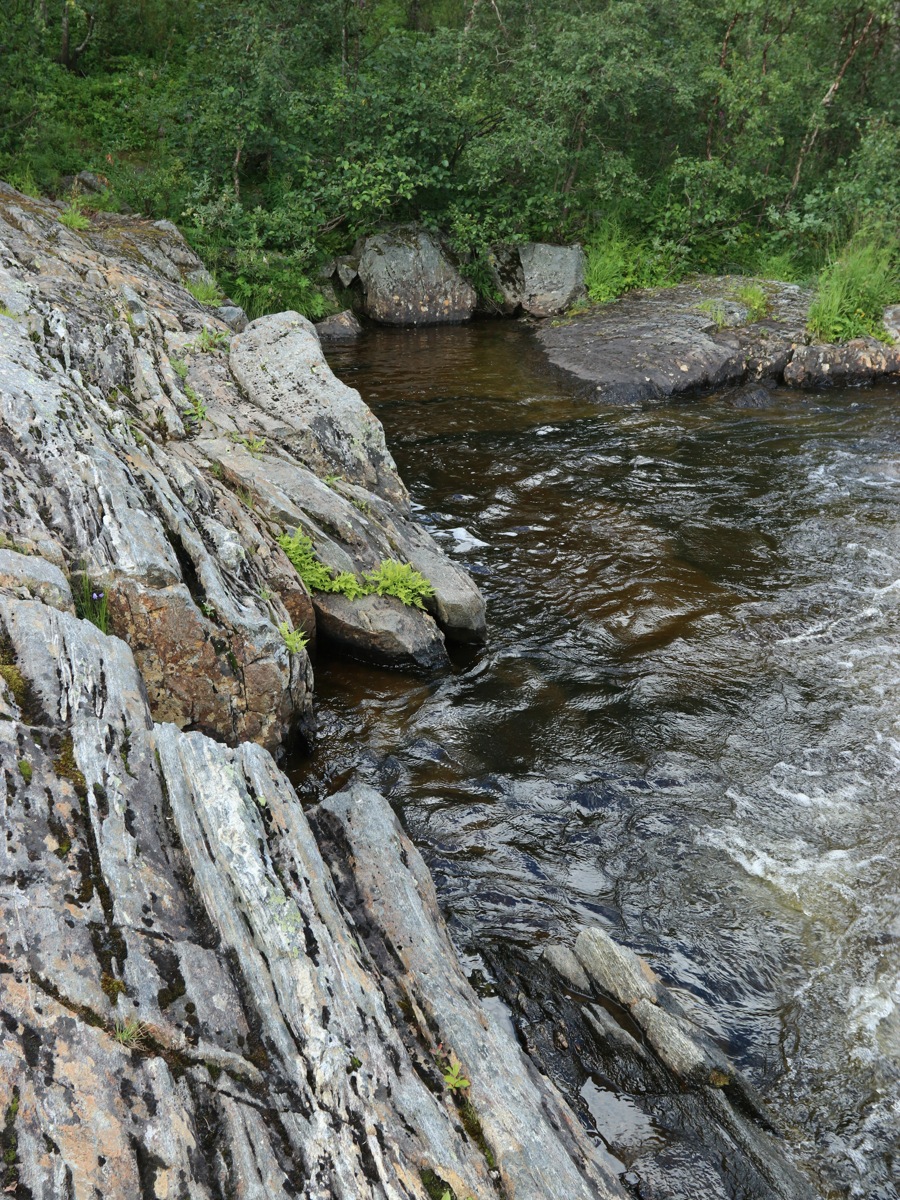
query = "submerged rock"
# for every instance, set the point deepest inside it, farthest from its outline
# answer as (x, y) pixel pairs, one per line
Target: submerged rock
(407, 279)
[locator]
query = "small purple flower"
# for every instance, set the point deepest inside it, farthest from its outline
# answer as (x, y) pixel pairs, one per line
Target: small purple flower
(96, 595)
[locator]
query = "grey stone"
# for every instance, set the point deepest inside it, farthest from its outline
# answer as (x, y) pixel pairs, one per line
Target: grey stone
(233, 316)
(562, 959)
(891, 321)
(615, 969)
(407, 279)
(347, 269)
(665, 342)
(541, 1151)
(278, 363)
(553, 278)
(343, 326)
(32, 576)
(862, 360)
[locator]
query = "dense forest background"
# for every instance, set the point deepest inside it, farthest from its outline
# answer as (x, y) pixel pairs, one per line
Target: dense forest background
(753, 135)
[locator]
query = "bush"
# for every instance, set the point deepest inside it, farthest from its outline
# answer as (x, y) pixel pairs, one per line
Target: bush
(618, 263)
(855, 288)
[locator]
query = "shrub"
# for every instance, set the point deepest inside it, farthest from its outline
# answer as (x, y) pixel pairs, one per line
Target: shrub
(854, 289)
(617, 263)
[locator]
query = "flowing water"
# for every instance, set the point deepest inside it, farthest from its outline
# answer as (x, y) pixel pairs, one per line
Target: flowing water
(685, 723)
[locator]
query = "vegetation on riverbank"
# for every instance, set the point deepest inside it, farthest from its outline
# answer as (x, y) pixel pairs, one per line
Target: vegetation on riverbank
(702, 136)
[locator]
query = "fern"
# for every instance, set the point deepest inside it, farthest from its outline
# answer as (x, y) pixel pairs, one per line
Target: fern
(393, 578)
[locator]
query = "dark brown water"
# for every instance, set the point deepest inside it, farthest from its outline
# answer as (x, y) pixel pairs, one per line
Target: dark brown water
(685, 724)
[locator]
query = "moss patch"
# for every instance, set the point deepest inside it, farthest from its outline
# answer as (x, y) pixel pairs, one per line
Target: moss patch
(66, 767)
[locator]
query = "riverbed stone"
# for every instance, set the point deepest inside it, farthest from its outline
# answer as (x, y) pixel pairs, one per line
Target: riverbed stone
(342, 327)
(407, 279)
(860, 361)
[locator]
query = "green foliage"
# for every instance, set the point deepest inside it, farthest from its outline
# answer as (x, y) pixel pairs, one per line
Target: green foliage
(255, 445)
(74, 218)
(667, 138)
(204, 291)
(392, 578)
(617, 263)
(25, 770)
(4, 311)
(855, 287)
(294, 639)
(452, 1076)
(299, 550)
(755, 300)
(208, 341)
(180, 367)
(131, 1033)
(196, 413)
(91, 603)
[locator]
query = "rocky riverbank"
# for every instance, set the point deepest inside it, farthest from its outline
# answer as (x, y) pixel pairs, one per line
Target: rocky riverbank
(207, 991)
(700, 336)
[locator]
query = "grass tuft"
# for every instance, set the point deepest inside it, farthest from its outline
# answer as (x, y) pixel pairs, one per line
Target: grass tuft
(855, 288)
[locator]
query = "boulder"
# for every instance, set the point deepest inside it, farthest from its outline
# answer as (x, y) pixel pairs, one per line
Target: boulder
(407, 279)
(538, 278)
(891, 321)
(341, 327)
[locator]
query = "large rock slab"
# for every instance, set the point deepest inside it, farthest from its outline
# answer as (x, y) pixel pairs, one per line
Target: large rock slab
(188, 1007)
(664, 342)
(407, 279)
(147, 447)
(539, 1150)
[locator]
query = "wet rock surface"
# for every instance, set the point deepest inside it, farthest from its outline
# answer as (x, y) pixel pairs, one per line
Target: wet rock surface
(666, 342)
(700, 336)
(193, 1005)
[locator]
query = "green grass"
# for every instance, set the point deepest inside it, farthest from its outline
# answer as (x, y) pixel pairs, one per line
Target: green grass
(618, 263)
(203, 291)
(716, 310)
(91, 604)
(855, 288)
(754, 298)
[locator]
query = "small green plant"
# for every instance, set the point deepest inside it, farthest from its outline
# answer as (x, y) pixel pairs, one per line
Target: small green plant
(311, 570)
(131, 1033)
(4, 311)
(345, 583)
(294, 639)
(204, 291)
(180, 367)
(363, 505)
(73, 217)
(452, 1075)
(392, 578)
(25, 770)
(331, 480)
(196, 414)
(247, 498)
(755, 300)
(255, 445)
(264, 594)
(215, 469)
(208, 610)
(91, 604)
(209, 341)
(716, 310)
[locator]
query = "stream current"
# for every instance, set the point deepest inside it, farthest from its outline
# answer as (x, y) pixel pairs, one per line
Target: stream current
(684, 726)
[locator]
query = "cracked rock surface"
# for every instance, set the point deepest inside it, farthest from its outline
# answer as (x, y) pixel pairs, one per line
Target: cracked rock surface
(155, 456)
(195, 1003)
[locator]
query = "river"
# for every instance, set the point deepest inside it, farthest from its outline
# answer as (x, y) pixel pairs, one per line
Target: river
(685, 723)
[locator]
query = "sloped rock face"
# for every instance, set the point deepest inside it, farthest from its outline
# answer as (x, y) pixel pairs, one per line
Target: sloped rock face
(189, 1007)
(408, 280)
(665, 342)
(139, 441)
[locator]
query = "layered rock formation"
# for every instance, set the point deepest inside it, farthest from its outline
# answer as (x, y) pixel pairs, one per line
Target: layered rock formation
(205, 991)
(159, 456)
